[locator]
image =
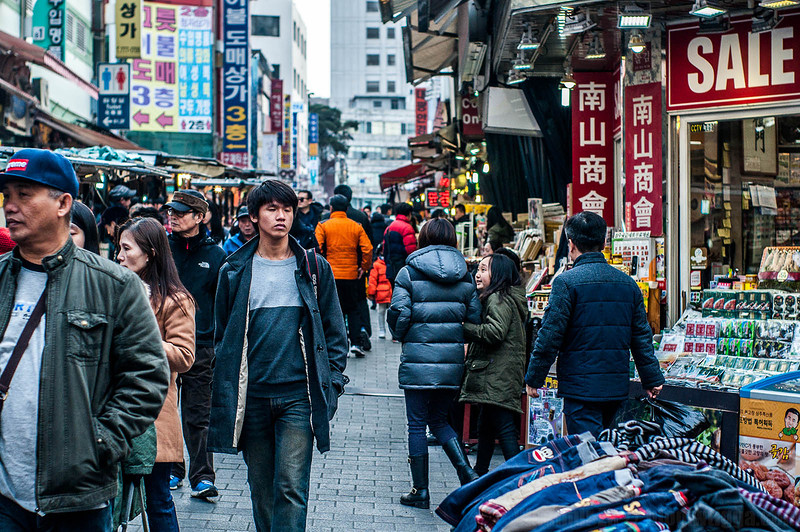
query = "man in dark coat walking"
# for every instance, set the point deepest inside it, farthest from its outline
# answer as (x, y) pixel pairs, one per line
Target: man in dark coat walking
(594, 320)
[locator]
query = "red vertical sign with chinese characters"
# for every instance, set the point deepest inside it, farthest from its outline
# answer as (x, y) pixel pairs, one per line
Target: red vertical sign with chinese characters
(276, 107)
(593, 144)
(420, 112)
(643, 157)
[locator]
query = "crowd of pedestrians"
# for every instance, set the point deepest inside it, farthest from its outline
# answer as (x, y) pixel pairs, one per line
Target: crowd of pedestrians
(240, 344)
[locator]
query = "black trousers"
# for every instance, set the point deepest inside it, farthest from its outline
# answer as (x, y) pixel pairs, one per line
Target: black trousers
(495, 422)
(350, 298)
(363, 308)
(585, 416)
(194, 392)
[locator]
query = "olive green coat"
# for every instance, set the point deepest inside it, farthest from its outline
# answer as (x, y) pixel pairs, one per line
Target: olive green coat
(495, 366)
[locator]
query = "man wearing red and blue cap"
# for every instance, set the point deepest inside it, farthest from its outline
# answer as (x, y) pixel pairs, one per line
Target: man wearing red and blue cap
(83, 367)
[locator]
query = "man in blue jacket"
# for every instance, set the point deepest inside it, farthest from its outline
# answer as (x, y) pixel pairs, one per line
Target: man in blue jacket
(594, 321)
(281, 350)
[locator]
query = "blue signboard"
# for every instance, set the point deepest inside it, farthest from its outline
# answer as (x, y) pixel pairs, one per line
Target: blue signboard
(313, 128)
(114, 111)
(235, 86)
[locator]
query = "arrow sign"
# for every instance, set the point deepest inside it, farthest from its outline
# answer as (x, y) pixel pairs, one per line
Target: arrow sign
(164, 120)
(114, 111)
(141, 118)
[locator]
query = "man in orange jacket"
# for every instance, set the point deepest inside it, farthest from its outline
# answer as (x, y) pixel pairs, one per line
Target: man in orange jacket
(348, 249)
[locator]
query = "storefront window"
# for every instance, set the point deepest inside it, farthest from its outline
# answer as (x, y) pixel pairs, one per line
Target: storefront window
(745, 194)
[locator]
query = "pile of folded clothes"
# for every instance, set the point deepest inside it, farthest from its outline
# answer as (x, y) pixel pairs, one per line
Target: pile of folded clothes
(635, 480)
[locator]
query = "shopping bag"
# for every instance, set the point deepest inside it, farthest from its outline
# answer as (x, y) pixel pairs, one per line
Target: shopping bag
(676, 420)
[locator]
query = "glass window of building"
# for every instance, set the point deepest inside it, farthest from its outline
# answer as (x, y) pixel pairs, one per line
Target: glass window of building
(373, 86)
(745, 196)
(372, 6)
(391, 59)
(294, 30)
(265, 26)
(377, 103)
(398, 103)
(390, 33)
(276, 71)
(391, 86)
(373, 59)
(373, 33)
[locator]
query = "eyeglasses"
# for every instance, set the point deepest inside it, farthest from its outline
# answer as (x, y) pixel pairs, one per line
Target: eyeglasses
(179, 214)
(303, 198)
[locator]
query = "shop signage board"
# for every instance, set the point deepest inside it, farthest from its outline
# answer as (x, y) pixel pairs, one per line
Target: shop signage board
(420, 112)
(437, 199)
(128, 21)
(171, 82)
(286, 145)
(593, 144)
(48, 22)
(733, 68)
(470, 118)
(313, 148)
(235, 84)
(114, 103)
(643, 188)
(276, 108)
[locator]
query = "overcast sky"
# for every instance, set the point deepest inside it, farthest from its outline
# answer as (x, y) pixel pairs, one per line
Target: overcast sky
(317, 16)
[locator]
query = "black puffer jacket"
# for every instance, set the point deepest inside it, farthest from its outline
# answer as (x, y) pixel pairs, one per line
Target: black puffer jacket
(433, 296)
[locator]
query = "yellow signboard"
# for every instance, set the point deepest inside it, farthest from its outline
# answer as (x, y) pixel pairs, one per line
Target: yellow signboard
(128, 20)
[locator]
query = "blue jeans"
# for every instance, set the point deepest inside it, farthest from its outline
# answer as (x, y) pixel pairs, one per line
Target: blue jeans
(428, 408)
(277, 444)
(161, 514)
(15, 518)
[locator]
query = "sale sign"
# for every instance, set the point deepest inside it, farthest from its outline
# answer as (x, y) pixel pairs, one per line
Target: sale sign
(733, 68)
(643, 157)
(593, 144)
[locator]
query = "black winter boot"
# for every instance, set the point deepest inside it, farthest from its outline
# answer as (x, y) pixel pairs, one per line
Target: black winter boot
(455, 453)
(418, 497)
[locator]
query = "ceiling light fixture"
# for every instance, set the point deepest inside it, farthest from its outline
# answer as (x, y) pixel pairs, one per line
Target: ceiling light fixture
(764, 20)
(633, 16)
(636, 44)
(519, 63)
(529, 40)
(779, 4)
(514, 77)
(596, 50)
(568, 82)
(710, 26)
(578, 22)
(707, 9)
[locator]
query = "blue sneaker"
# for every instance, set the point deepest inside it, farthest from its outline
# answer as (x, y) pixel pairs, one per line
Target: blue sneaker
(204, 490)
(175, 482)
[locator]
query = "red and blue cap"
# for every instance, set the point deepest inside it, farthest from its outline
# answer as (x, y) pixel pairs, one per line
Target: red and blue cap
(44, 167)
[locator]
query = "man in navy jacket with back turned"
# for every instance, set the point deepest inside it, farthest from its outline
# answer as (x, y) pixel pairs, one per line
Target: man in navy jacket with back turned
(594, 321)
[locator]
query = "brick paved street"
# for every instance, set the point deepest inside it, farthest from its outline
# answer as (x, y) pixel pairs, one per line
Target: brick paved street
(355, 486)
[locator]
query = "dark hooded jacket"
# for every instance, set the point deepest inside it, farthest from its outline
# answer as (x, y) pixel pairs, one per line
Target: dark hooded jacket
(495, 368)
(379, 226)
(433, 297)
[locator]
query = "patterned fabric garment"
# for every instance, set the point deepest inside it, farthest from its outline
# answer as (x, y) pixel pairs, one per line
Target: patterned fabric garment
(493, 509)
(556, 456)
(786, 511)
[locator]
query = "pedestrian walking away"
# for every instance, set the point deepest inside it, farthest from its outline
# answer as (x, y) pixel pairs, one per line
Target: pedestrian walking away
(399, 241)
(198, 260)
(144, 249)
(347, 247)
(495, 367)
(281, 352)
(379, 290)
(84, 368)
(433, 297)
(595, 320)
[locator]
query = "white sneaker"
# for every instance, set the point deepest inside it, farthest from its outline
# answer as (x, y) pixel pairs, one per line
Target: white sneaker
(355, 350)
(381, 334)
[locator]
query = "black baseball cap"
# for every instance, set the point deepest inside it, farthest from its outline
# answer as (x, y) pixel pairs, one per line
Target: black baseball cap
(243, 212)
(44, 167)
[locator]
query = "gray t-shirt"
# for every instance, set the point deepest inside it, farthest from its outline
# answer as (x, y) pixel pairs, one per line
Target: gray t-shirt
(18, 423)
(275, 361)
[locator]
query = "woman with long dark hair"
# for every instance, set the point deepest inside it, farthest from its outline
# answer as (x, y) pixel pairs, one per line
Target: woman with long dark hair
(496, 358)
(433, 297)
(144, 249)
(499, 231)
(83, 228)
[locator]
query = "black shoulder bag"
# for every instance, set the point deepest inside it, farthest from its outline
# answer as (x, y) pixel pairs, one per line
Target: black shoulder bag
(19, 349)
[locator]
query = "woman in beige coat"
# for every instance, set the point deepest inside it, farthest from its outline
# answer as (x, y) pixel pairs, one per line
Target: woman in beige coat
(144, 249)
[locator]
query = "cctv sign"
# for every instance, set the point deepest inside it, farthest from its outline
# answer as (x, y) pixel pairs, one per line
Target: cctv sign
(733, 68)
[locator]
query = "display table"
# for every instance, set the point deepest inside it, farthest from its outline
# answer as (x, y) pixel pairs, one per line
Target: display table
(727, 403)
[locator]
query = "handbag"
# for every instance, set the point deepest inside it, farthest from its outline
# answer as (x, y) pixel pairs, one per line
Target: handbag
(19, 349)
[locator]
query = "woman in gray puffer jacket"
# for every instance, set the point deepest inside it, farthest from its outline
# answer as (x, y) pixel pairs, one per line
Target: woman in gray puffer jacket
(434, 295)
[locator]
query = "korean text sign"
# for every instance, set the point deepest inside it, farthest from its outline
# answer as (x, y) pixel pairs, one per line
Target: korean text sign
(235, 75)
(420, 112)
(128, 22)
(593, 144)
(49, 21)
(733, 68)
(276, 107)
(643, 157)
(171, 83)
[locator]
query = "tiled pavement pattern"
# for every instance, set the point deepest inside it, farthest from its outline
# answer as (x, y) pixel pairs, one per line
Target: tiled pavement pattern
(355, 486)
